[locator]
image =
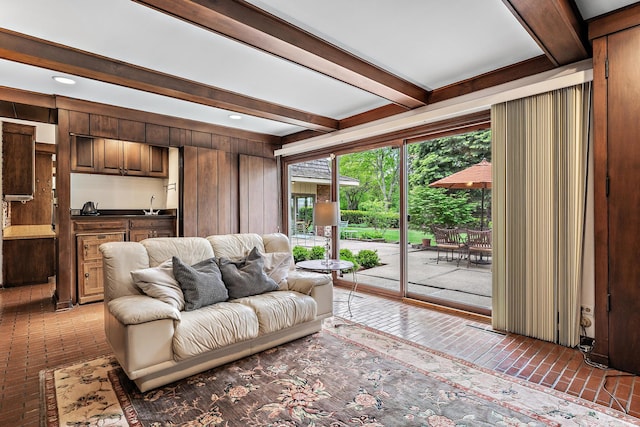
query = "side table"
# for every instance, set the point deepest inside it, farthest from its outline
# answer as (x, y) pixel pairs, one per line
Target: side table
(330, 266)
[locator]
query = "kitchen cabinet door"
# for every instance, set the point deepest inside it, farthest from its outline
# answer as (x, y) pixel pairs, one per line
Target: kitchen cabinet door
(111, 157)
(84, 154)
(90, 280)
(158, 161)
(18, 152)
(135, 158)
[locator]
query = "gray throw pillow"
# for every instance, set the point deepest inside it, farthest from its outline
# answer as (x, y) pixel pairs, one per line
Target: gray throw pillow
(201, 283)
(246, 276)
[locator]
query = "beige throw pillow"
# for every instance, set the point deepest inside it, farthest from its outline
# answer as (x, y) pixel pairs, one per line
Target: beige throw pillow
(160, 283)
(277, 266)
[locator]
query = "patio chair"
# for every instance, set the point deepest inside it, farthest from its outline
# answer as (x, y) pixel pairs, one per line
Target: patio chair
(448, 240)
(478, 243)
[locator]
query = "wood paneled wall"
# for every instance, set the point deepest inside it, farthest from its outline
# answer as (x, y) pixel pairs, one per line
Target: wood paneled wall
(209, 189)
(259, 195)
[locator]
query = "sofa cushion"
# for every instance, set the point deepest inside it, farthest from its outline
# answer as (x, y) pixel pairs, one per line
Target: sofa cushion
(136, 309)
(245, 276)
(212, 327)
(276, 242)
(235, 245)
(280, 309)
(277, 266)
(190, 250)
(304, 281)
(159, 282)
(201, 283)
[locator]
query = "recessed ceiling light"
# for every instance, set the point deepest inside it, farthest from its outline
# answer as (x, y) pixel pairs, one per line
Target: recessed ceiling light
(64, 80)
(235, 116)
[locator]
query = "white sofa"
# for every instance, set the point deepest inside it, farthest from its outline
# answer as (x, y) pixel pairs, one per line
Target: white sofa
(156, 344)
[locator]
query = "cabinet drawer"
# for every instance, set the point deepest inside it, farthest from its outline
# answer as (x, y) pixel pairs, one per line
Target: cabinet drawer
(100, 225)
(150, 223)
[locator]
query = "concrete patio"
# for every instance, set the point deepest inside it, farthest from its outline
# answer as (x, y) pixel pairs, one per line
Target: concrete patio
(444, 279)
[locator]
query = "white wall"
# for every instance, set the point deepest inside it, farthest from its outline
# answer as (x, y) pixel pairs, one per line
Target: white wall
(117, 192)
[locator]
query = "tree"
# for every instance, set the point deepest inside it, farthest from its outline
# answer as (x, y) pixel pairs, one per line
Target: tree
(379, 174)
(437, 158)
(429, 206)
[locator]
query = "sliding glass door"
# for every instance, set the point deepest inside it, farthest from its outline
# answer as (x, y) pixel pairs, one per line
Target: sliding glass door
(370, 217)
(449, 204)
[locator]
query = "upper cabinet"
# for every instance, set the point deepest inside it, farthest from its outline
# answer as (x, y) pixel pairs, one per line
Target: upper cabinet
(18, 168)
(115, 157)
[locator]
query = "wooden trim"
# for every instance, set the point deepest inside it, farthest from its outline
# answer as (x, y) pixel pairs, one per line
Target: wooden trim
(615, 21)
(601, 234)
(371, 115)
(42, 53)
(506, 74)
(45, 148)
(27, 97)
(252, 26)
(65, 293)
(555, 25)
(466, 123)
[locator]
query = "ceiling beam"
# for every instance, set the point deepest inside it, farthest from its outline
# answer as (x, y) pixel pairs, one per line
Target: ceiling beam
(42, 53)
(252, 26)
(556, 26)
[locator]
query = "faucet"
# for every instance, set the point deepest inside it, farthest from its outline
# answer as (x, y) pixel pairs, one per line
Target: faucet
(151, 211)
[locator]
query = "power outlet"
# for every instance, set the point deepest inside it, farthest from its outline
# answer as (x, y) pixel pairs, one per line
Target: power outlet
(587, 310)
(585, 321)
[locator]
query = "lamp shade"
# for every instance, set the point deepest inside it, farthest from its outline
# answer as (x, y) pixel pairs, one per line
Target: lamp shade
(326, 213)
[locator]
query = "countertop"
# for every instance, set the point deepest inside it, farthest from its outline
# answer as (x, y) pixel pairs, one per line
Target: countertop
(17, 232)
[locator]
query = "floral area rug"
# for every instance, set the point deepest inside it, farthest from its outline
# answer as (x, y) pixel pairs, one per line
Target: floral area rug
(342, 376)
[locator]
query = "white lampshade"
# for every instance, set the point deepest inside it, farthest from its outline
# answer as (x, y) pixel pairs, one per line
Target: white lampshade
(326, 213)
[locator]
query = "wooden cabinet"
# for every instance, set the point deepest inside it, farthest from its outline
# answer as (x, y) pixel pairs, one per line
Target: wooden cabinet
(89, 258)
(38, 210)
(18, 166)
(616, 162)
(90, 233)
(28, 261)
(115, 157)
(145, 228)
(124, 158)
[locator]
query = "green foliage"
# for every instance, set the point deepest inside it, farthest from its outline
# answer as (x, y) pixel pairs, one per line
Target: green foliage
(347, 255)
(300, 253)
(374, 234)
(306, 214)
(436, 206)
(368, 258)
(381, 220)
(316, 252)
(434, 159)
(378, 173)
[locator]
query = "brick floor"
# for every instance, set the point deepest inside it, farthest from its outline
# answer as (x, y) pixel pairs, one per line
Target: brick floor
(34, 337)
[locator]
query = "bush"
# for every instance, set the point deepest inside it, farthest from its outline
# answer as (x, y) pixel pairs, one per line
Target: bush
(317, 252)
(368, 258)
(347, 255)
(300, 253)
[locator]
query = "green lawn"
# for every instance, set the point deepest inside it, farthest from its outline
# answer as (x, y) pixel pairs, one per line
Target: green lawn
(390, 235)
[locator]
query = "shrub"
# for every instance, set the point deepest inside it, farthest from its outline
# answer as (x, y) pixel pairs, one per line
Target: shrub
(368, 258)
(317, 252)
(300, 253)
(347, 255)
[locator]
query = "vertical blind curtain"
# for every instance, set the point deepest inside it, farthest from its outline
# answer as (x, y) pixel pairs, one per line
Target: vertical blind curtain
(539, 152)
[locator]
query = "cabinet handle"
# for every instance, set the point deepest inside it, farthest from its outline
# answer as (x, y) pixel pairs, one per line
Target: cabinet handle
(86, 251)
(86, 277)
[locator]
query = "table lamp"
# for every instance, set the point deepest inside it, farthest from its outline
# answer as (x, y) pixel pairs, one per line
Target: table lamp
(326, 215)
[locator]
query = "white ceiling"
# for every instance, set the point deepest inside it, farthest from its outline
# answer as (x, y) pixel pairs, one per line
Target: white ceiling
(431, 43)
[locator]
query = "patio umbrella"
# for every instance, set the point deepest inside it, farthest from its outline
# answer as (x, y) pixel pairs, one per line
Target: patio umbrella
(476, 176)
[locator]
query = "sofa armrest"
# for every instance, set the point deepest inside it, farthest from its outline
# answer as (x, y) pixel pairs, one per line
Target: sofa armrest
(136, 309)
(305, 281)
